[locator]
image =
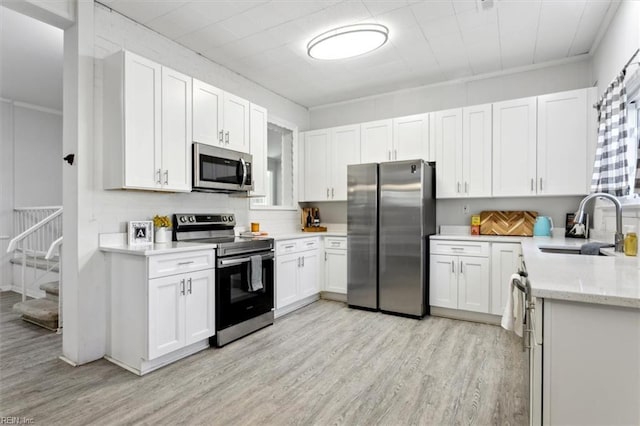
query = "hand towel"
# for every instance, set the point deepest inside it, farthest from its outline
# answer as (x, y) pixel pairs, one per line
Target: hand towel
(255, 268)
(513, 315)
(593, 249)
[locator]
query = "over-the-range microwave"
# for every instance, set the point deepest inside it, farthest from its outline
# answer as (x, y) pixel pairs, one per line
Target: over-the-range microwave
(220, 170)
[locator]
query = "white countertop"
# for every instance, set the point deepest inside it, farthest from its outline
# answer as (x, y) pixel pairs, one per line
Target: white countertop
(609, 280)
(301, 234)
(116, 243)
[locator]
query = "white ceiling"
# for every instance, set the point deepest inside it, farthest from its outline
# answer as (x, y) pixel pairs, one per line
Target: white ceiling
(31, 60)
(429, 41)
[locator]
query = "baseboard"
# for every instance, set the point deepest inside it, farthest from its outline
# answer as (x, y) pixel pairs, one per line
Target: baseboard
(68, 361)
(465, 315)
(337, 297)
(149, 366)
(296, 305)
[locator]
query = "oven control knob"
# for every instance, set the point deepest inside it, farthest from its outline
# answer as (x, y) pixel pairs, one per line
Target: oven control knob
(230, 218)
(192, 219)
(183, 219)
(224, 218)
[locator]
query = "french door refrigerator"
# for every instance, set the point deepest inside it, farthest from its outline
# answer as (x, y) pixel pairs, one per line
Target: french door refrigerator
(391, 212)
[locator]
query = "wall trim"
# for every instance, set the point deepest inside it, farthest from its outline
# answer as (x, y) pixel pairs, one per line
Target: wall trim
(573, 59)
(34, 107)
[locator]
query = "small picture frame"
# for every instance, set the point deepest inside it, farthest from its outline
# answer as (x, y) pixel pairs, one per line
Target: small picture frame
(571, 230)
(140, 232)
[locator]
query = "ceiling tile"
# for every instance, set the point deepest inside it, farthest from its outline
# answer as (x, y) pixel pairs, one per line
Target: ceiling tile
(464, 6)
(592, 18)
(440, 27)
(397, 20)
(449, 51)
(377, 7)
(486, 34)
(179, 22)
(558, 25)
(517, 49)
(518, 16)
(144, 11)
(484, 56)
(207, 38)
(474, 19)
(430, 10)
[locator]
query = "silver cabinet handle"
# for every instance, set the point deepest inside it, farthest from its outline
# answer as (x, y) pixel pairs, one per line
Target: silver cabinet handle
(466, 187)
(325, 256)
(389, 155)
(461, 270)
(457, 248)
(453, 267)
(332, 193)
(395, 154)
(166, 177)
(182, 287)
(158, 178)
(290, 246)
(540, 184)
(531, 184)
(309, 244)
(327, 193)
(458, 187)
(187, 263)
(335, 244)
(190, 282)
(226, 137)
(303, 261)
(299, 264)
(221, 137)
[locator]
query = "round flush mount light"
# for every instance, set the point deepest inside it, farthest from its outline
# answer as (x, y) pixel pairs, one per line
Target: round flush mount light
(348, 41)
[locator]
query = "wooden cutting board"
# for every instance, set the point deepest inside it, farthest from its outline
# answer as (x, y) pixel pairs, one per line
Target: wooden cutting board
(515, 223)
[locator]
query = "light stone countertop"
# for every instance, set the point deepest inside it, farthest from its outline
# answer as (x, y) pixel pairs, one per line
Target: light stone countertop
(608, 280)
(301, 234)
(117, 243)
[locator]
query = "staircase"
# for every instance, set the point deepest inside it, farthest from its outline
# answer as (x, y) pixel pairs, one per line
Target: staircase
(36, 251)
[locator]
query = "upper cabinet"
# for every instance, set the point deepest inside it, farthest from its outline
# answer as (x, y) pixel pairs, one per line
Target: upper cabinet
(220, 118)
(404, 138)
(476, 151)
(448, 141)
(147, 131)
(258, 138)
(328, 152)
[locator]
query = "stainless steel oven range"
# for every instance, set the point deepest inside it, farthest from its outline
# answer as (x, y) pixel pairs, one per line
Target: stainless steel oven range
(244, 273)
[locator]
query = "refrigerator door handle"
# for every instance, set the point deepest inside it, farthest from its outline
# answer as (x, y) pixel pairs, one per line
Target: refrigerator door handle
(461, 270)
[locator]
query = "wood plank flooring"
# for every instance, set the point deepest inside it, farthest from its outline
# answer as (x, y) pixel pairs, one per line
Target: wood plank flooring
(324, 364)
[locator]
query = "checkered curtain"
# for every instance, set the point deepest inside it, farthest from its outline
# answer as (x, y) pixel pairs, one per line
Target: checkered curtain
(610, 170)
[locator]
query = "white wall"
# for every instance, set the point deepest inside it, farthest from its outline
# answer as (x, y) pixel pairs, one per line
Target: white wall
(6, 190)
(568, 76)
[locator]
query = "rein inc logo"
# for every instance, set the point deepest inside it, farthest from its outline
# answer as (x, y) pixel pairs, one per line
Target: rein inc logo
(15, 420)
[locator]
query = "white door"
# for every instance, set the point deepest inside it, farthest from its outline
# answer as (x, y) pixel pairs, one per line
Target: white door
(505, 259)
(476, 151)
(200, 306)
(166, 315)
(258, 142)
(176, 131)
(236, 123)
(207, 114)
(473, 284)
(335, 271)
(287, 279)
(316, 154)
(514, 147)
(376, 140)
(309, 278)
(142, 94)
(443, 281)
(562, 143)
(345, 150)
(448, 141)
(411, 138)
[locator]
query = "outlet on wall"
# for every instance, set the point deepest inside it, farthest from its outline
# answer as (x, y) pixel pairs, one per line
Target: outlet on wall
(465, 209)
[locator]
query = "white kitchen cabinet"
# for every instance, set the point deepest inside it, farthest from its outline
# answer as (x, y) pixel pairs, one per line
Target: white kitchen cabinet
(220, 118)
(328, 152)
(162, 307)
(297, 271)
(258, 140)
(335, 265)
(505, 261)
(411, 138)
(147, 131)
(514, 147)
(459, 280)
(448, 134)
(562, 143)
(376, 143)
(476, 150)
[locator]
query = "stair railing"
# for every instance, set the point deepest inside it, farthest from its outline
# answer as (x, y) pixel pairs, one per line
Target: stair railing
(36, 239)
(53, 250)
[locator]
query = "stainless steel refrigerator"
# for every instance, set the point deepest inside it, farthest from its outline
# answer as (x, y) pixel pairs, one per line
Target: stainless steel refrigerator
(391, 212)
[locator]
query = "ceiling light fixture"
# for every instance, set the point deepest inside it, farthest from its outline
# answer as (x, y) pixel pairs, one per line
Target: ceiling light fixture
(348, 41)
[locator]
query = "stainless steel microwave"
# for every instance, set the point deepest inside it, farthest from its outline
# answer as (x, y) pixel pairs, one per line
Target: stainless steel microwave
(220, 170)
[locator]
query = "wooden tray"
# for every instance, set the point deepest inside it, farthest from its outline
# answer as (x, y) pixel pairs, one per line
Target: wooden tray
(515, 223)
(315, 229)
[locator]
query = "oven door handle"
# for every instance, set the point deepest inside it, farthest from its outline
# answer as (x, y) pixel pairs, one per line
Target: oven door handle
(238, 261)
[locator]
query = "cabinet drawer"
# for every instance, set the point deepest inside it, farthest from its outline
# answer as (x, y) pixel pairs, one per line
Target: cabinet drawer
(178, 263)
(288, 246)
(335, 243)
(309, 244)
(468, 248)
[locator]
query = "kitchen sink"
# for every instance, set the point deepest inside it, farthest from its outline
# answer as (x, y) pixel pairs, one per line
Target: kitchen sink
(564, 250)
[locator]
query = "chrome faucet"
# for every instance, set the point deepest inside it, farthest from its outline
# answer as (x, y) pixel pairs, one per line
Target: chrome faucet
(619, 239)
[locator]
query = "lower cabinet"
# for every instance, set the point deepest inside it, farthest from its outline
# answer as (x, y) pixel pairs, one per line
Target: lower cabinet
(162, 307)
(505, 260)
(335, 265)
(297, 270)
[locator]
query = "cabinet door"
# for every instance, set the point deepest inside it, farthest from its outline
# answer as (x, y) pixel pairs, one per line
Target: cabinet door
(514, 147)
(142, 115)
(207, 113)
(473, 284)
(443, 281)
(287, 279)
(316, 154)
(258, 141)
(309, 278)
(411, 138)
(448, 153)
(505, 259)
(345, 150)
(166, 315)
(236, 123)
(376, 141)
(176, 131)
(335, 271)
(200, 306)
(562, 143)
(476, 151)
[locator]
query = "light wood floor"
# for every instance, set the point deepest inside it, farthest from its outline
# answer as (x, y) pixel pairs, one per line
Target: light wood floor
(324, 364)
